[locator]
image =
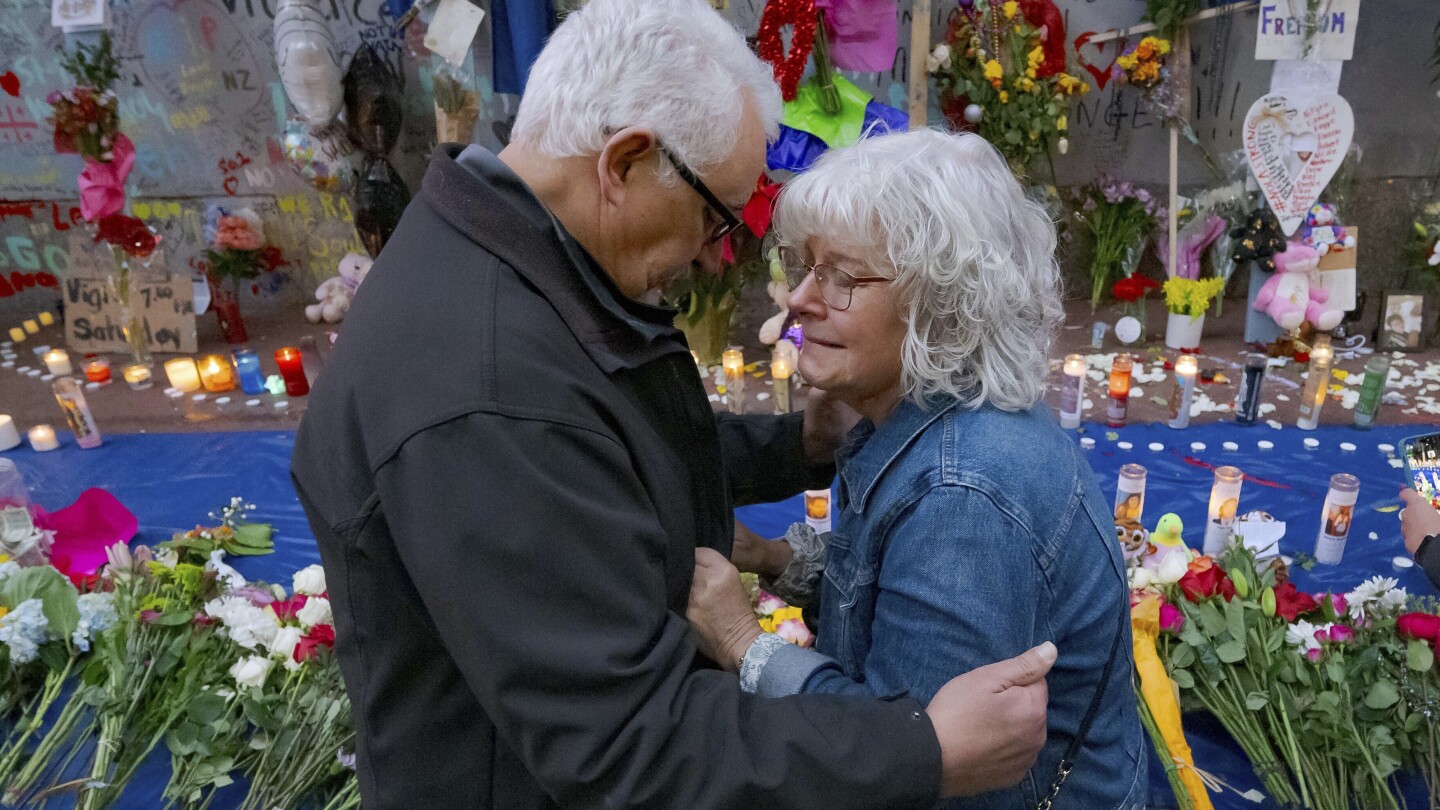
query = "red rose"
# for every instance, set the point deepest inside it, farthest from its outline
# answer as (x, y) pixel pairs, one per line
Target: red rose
(321, 635)
(1204, 579)
(130, 234)
(1133, 288)
(1422, 626)
(285, 609)
(1291, 602)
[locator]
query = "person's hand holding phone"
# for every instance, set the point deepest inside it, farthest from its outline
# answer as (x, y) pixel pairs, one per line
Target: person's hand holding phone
(1418, 520)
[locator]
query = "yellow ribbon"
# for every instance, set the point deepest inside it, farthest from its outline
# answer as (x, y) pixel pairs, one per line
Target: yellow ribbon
(1159, 694)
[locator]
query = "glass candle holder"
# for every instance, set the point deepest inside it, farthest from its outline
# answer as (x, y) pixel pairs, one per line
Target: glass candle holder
(58, 362)
(183, 374)
(138, 376)
(781, 369)
(198, 408)
(1186, 370)
(77, 412)
(292, 371)
(1335, 518)
(1072, 391)
(1247, 404)
(97, 370)
(1224, 504)
(1312, 400)
(1130, 493)
(216, 373)
(733, 361)
(247, 368)
(1377, 369)
(1118, 408)
(817, 509)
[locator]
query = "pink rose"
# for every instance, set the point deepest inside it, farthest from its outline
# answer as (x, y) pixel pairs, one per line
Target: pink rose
(1171, 619)
(1342, 634)
(1423, 626)
(795, 632)
(1314, 655)
(236, 233)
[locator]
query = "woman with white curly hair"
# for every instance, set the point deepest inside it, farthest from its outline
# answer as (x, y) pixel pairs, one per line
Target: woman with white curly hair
(968, 527)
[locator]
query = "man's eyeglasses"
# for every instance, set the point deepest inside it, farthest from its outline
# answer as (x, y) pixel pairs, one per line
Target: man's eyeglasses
(728, 220)
(837, 287)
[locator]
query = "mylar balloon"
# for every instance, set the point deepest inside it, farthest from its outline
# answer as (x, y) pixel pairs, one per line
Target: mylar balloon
(308, 60)
(380, 199)
(323, 156)
(372, 102)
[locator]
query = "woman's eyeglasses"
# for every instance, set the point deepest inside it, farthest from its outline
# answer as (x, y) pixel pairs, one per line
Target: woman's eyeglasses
(837, 287)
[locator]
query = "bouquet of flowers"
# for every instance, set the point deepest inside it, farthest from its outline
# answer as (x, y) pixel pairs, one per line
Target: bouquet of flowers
(1002, 73)
(87, 117)
(1190, 296)
(236, 253)
(1427, 242)
(775, 616)
(1119, 216)
(1131, 291)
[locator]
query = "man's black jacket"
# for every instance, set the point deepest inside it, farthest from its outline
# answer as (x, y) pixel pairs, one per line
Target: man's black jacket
(508, 466)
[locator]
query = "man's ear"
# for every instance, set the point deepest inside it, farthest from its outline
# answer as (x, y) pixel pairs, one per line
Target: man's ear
(622, 155)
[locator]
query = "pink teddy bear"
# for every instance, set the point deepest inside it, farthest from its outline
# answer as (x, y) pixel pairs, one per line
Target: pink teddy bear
(1289, 296)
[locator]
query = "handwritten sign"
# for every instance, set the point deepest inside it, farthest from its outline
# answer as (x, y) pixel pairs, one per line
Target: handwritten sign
(1281, 35)
(164, 307)
(1294, 147)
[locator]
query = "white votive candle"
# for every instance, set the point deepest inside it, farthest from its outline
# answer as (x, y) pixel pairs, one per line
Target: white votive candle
(58, 361)
(9, 436)
(42, 438)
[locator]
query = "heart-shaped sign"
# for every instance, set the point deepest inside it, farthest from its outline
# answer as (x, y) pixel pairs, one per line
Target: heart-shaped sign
(1294, 145)
(1102, 75)
(10, 83)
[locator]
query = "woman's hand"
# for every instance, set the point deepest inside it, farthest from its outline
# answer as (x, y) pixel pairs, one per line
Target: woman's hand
(719, 610)
(754, 554)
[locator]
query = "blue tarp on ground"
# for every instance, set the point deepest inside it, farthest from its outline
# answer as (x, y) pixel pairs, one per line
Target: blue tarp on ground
(171, 481)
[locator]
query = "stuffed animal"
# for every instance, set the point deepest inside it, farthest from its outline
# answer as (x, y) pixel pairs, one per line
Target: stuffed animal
(1289, 296)
(1323, 231)
(771, 329)
(1259, 239)
(1134, 539)
(334, 294)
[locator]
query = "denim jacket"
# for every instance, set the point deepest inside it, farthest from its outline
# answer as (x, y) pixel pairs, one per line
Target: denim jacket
(963, 538)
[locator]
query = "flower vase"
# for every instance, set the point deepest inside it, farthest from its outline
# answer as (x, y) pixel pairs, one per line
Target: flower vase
(1183, 331)
(226, 304)
(1136, 310)
(118, 284)
(708, 331)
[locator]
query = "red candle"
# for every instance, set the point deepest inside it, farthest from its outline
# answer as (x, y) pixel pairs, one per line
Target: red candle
(292, 370)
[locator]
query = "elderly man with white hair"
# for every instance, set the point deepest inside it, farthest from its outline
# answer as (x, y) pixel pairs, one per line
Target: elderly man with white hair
(968, 526)
(510, 461)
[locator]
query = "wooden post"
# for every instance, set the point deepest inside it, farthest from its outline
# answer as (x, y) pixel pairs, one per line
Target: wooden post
(919, 50)
(1180, 65)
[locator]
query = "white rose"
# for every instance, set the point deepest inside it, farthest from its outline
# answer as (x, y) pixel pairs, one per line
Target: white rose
(316, 611)
(309, 580)
(283, 647)
(251, 671)
(1140, 578)
(1172, 568)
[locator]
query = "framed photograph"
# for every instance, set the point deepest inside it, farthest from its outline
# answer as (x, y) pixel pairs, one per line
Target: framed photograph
(1402, 322)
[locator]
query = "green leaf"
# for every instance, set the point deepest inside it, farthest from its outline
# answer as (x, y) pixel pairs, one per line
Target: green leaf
(1418, 656)
(206, 708)
(1183, 655)
(54, 655)
(173, 618)
(57, 596)
(259, 714)
(1231, 652)
(1235, 619)
(255, 535)
(1256, 701)
(1183, 679)
(1382, 695)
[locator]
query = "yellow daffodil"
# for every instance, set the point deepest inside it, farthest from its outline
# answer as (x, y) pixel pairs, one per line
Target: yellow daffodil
(993, 71)
(1004, 97)
(1010, 8)
(1062, 123)
(1030, 73)
(1035, 57)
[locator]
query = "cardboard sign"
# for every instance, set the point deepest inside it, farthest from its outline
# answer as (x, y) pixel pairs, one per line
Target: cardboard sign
(1294, 146)
(1336, 273)
(164, 306)
(1280, 36)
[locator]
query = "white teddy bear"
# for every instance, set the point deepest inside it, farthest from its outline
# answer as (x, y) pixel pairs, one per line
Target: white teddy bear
(335, 293)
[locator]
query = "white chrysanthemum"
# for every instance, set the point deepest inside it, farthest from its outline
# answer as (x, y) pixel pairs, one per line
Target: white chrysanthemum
(23, 630)
(1376, 596)
(97, 612)
(243, 622)
(1301, 634)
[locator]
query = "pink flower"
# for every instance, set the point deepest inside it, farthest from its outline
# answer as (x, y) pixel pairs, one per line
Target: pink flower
(1171, 619)
(1337, 601)
(1342, 634)
(1314, 655)
(795, 632)
(149, 616)
(768, 603)
(236, 233)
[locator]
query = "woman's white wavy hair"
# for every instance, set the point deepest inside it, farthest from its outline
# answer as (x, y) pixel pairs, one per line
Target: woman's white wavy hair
(973, 259)
(675, 67)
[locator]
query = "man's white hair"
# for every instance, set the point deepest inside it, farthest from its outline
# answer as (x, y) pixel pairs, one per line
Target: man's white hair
(973, 259)
(675, 67)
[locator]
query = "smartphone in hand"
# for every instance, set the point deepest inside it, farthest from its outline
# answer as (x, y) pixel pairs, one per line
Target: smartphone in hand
(1421, 455)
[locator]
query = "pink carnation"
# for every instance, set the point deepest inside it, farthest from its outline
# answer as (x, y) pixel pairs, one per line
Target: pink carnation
(236, 233)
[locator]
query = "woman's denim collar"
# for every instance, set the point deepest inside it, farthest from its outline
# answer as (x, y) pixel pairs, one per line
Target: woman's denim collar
(869, 451)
